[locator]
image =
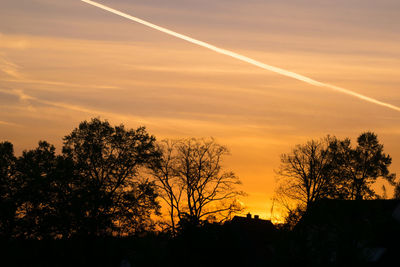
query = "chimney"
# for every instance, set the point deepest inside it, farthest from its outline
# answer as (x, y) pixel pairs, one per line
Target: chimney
(248, 216)
(256, 217)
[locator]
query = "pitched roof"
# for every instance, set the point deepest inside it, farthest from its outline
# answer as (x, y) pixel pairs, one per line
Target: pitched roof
(250, 224)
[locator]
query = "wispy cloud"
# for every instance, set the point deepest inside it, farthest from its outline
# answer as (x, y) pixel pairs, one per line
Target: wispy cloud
(19, 93)
(64, 84)
(248, 60)
(9, 123)
(14, 74)
(9, 68)
(28, 100)
(209, 70)
(13, 42)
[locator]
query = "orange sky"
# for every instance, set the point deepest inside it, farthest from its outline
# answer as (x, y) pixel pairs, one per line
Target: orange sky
(62, 62)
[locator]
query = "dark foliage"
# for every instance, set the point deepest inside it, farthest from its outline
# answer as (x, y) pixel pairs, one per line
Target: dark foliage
(91, 189)
(331, 168)
(91, 205)
(112, 198)
(360, 167)
(8, 206)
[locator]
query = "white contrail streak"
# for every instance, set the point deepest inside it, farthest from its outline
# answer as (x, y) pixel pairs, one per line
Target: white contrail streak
(246, 59)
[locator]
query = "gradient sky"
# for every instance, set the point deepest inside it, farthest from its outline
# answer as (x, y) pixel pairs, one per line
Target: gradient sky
(62, 62)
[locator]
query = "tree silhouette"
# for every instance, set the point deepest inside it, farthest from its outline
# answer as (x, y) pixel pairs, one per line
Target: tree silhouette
(363, 165)
(37, 175)
(92, 189)
(396, 194)
(332, 168)
(307, 173)
(193, 182)
(8, 206)
(168, 180)
(114, 200)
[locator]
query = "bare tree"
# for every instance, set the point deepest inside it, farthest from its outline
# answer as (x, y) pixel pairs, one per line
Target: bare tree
(331, 168)
(193, 183)
(307, 173)
(169, 183)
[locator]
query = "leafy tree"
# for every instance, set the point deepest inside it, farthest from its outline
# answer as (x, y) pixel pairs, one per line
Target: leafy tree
(7, 189)
(37, 176)
(32, 191)
(363, 165)
(193, 183)
(93, 188)
(293, 217)
(397, 191)
(112, 197)
(332, 168)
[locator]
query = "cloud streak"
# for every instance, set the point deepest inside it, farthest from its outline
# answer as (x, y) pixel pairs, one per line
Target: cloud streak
(64, 84)
(9, 68)
(28, 99)
(23, 97)
(9, 123)
(247, 59)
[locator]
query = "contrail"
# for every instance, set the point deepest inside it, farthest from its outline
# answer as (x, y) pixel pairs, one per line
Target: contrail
(246, 59)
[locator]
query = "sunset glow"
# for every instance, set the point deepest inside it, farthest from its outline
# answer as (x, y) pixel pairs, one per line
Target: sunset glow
(62, 62)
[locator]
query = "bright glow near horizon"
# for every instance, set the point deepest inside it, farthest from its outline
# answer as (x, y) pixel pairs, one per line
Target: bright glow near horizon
(62, 62)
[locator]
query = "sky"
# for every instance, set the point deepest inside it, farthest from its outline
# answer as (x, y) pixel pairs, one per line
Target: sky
(62, 62)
